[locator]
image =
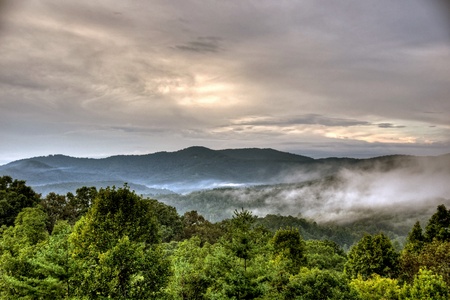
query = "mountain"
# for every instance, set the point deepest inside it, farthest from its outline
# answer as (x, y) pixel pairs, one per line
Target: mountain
(193, 168)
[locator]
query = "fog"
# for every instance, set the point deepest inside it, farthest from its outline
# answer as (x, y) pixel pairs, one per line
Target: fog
(414, 187)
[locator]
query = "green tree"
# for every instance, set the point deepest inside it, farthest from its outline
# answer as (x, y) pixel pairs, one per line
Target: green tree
(289, 244)
(324, 255)
(170, 224)
(318, 284)
(18, 246)
(53, 266)
(373, 254)
(115, 247)
(78, 204)
(55, 206)
(438, 226)
(239, 262)
(195, 224)
(435, 257)
(14, 196)
(415, 239)
(242, 235)
(376, 288)
(189, 279)
(426, 285)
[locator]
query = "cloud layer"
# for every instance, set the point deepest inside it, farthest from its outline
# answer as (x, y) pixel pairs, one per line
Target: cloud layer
(350, 78)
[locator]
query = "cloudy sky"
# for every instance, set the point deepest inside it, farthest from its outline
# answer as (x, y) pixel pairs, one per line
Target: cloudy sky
(355, 78)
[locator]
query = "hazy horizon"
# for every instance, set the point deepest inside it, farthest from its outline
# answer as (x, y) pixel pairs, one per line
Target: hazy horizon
(301, 154)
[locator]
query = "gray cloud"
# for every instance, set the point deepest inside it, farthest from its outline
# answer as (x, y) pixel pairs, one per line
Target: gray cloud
(390, 125)
(308, 119)
(133, 65)
(201, 45)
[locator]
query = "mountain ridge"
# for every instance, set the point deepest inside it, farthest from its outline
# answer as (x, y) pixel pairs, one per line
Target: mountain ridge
(191, 168)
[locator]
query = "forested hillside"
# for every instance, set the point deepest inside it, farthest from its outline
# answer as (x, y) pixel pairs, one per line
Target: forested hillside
(111, 243)
(198, 168)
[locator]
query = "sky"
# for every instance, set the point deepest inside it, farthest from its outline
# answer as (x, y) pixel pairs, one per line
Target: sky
(318, 78)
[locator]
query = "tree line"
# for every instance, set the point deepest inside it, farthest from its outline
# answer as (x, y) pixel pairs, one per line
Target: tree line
(114, 244)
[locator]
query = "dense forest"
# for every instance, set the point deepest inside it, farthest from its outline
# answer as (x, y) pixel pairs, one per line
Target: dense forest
(112, 243)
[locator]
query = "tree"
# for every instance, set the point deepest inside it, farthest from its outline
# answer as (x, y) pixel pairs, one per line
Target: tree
(318, 284)
(373, 254)
(53, 264)
(195, 224)
(55, 206)
(70, 207)
(18, 246)
(79, 203)
(170, 224)
(14, 196)
(115, 246)
(435, 257)
(242, 237)
(289, 244)
(415, 239)
(376, 288)
(189, 279)
(324, 255)
(426, 285)
(438, 226)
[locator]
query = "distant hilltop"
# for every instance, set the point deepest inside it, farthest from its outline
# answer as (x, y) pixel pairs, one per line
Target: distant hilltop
(193, 168)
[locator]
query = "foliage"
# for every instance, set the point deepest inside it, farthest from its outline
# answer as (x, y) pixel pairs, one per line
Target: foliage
(373, 254)
(426, 285)
(315, 284)
(324, 255)
(115, 248)
(438, 226)
(170, 223)
(376, 288)
(69, 208)
(14, 196)
(18, 245)
(289, 244)
(196, 225)
(188, 280)
(415, 239)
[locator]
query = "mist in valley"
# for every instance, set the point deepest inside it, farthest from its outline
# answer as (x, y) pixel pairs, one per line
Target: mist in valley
(397, 191)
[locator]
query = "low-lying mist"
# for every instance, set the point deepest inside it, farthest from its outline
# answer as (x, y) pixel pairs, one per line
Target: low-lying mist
(411, 186)
(398, 190)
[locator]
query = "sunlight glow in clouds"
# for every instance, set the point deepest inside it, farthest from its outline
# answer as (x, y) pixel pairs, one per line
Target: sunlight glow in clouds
(321, 79)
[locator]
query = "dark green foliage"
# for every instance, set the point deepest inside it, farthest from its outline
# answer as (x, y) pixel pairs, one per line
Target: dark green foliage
(196, 225)
(415, 239)
(325, 255)
(70, 207)
(170, 223)
(373, 254)
(115, 248)
(79, 203)
(242, 236)
(438, 226)
(114, 214)
(310, 229)
(114, 251)
(14, 196)
(318, 285)
(289, 244)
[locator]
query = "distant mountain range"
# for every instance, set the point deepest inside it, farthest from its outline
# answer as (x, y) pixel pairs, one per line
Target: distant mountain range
(193, 168)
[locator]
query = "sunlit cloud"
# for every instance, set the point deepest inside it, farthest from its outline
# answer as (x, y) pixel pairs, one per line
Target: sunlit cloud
(295, 76)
